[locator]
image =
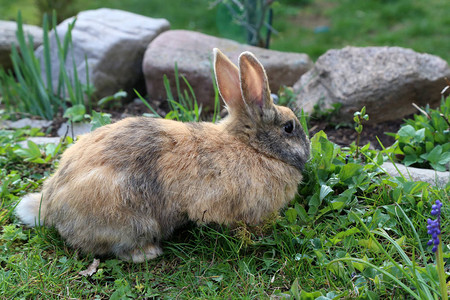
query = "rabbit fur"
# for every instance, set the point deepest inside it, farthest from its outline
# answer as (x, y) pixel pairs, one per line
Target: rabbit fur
(125, 186)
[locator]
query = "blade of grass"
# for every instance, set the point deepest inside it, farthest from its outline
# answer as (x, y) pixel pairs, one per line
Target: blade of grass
(424, 287)
(147, 104)
(384, 272)
(47, 62)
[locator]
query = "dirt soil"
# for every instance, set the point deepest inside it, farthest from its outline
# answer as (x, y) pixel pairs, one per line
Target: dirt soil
(345, 135)
(341, 134)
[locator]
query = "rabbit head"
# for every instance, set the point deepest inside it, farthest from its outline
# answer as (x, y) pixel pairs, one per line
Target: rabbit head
(253, 117)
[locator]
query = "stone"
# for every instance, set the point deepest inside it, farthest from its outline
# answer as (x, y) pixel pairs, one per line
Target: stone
(192, 51)
(435, 178)
(387, 80)
(40, 140)
(27, 122)
(112, 41)
(73, 129)
(8, 39)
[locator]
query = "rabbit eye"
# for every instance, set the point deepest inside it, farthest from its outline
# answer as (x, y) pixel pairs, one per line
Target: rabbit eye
(289, 127)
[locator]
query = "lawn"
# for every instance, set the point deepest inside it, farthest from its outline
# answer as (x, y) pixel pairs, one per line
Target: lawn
(352, 232)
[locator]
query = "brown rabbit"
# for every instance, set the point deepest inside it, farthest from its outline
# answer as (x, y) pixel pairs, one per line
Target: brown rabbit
(123, 187)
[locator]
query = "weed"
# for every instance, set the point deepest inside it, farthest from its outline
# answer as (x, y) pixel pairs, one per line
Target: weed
(184, 107)
(26, 92)
(424, 141)
(251, 16)
(359, 117)
(327, 114)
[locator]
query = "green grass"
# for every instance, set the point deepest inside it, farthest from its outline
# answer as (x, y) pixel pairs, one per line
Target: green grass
(323, 244)
(421, 25)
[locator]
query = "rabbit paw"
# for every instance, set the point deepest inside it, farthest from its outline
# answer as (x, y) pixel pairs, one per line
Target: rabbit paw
(140, 255)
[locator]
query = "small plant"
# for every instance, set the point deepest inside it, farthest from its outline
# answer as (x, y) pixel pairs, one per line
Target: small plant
(34, 154)
(99, 119)
(392, 271)
(251, 15)
(185, 108)
(434, 229)
(322, 113)
(334, 177)
(286, 96)
(424, 141)
(26, 92)
(359, 117)
(116, 97)
(63, 8)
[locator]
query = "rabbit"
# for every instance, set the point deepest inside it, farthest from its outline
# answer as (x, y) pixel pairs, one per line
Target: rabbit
(124, 187)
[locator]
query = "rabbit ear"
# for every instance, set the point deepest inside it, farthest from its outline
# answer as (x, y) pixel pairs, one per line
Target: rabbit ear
(254, 83)
(227, 78)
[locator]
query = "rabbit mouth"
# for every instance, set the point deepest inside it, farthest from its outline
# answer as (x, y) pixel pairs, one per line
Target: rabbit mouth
(299, 163)
(299, 158)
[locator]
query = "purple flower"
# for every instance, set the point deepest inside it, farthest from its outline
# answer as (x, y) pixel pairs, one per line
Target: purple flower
(434, 226)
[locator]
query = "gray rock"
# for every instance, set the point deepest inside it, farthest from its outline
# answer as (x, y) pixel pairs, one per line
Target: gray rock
(193, 53)
(113, 43)
(384, 79)
(77, 129)
(27, 122)
(8, 39)
(40, 141)
(436, 178)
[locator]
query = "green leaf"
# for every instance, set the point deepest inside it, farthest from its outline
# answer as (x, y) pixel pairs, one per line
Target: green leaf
(295, 292)
(52, 149)
(31, 153)
(419, 136)
(438, 167)
(380, 159)
(339, 236)
(369, 244)
(301, 212)
(314, 203)
(304, 295)
(410, 159)
(117, 96)
(445, 158)
(359, 266)
(434, 155)
(99, 120)
(407, 132)
(323, 151)
(349, 170)
(324, 191)
(75, 113)
(401, 241)
(291, 215)
(34, 149)
(337, 205)
(409, 150)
